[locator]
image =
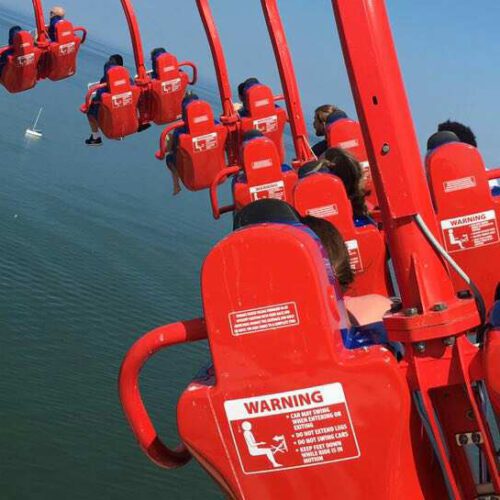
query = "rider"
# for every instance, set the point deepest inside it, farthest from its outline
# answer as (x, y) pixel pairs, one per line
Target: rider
(242, 89)
(320, 118)
(3, 58)
(155, 53)
(93, 111)
(463, 132)
(56, 14)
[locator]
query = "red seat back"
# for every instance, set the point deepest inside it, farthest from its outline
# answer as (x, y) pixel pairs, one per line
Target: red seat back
(167, 90)
(282, 379)
(20, 72)
(264, 116)
(468, 214)
(62, 53)
(346, 134)
(263, 176)
(118, 109)
(323, 195)
(200, 155)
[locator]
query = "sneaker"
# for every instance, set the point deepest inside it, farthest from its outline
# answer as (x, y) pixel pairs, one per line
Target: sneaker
(143, 127)
(93, 142)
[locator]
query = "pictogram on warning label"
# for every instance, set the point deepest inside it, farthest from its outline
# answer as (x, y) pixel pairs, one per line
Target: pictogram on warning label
(459, 184)
(323, 211)
(354, 255)
(470, 231)
(171, 86)
(25, 60)
(288, 430)
(122, 100)
(266, 125)
(275, 190)
(263, 319)
(205, 142)
(67, 48)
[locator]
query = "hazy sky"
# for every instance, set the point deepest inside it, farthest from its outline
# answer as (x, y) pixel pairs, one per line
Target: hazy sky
(449, 51)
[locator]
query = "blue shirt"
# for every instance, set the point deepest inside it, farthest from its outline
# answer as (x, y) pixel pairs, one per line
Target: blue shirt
(52, 27)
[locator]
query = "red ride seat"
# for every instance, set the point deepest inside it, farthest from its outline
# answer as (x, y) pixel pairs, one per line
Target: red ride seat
(263, 115)
(167, 90)
(200, 153)
(468, 214)
(62, 53)
(262, 175)
(346, 134)
(284, 389)
(20, 72)
(117, 115)
(323, 195)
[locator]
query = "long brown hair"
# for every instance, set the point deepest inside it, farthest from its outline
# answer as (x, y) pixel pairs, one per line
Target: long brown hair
(335, 247)
(345, 166)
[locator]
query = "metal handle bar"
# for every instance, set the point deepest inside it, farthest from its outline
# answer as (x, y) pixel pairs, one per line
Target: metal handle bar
(493, 174)
(130, 395)
(84, 33)
(88, 96)
(194, 77)
(160, 154)
(216, 211)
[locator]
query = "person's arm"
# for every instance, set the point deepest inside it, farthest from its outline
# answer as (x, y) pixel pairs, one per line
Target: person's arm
(367, 309)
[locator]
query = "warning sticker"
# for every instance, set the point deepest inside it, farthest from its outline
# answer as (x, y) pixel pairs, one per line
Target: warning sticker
(205, 142)
(459, 184)
(324, 211)
(354, 255)
(353, 143)
(122, 100)
(275, 190)
(288, 430)
(266, 125)
(25, 60)
(171, 86)
(263, 319)
(470, 231)
(67, 48)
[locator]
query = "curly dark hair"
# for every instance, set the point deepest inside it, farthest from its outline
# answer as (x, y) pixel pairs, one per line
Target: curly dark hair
(463, 132)
(334, 244)
(348, 169)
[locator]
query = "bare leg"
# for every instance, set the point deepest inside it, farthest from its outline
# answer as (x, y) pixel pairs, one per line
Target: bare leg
(93, 124)
(176, 180)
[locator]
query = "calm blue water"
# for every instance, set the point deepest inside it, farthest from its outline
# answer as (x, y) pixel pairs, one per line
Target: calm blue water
(94, 251)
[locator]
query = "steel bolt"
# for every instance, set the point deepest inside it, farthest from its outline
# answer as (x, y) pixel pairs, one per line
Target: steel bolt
(386, 148)
(449, 341)
(476, 437)
(464, 294)
(420, 347)
(410, 311)
(440, 306)
(463, 439)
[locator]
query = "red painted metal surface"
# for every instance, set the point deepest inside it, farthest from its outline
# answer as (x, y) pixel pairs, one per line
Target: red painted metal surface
(298, 126)
(20, 72)
(41, 28)
(468, 214)
(346, 134)
(323, 195)
(265, 116)
(221, 177)
(262, 176)
(128, 383)
(200, 155)
(135, 37)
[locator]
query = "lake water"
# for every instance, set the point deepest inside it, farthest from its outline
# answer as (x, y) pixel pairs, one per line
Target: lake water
(94, 251)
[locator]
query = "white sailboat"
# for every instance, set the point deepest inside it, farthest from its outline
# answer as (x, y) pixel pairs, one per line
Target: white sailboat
(33, 132)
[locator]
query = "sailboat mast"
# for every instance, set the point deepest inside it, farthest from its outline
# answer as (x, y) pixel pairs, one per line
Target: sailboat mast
(37, 118)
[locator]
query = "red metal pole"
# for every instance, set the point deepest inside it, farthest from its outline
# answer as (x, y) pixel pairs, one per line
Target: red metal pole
(229, 116)
(135, 36)
(40, 23)
(288, 81)
(389, 133)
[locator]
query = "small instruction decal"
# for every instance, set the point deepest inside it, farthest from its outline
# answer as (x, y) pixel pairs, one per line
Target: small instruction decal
(266, 125)
(263, 319)
(301, 428)
(323, 211)
(275, 190)
(122, 100)
(470, 231)
(204, 143)
(459, 184)
(171, 86)
(354, 256)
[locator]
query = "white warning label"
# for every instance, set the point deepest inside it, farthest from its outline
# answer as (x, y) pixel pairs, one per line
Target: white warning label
(25, 60)
(275, 190)
(67, 48)
(459, 184)
(266, 125)
(288, 430)
(470, 231)
(204, 143)
(353, 143)
(171, 86)
(354, 255)
(122, 100)
(323, 211)
(263, 319)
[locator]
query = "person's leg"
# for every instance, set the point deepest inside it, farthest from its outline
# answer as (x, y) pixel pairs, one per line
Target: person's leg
(95, 138)
(176, 180)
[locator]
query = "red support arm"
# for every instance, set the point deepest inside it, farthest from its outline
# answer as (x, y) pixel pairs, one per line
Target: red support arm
(135, 36)
(42, 38)
(130, 396)
(298, 126)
